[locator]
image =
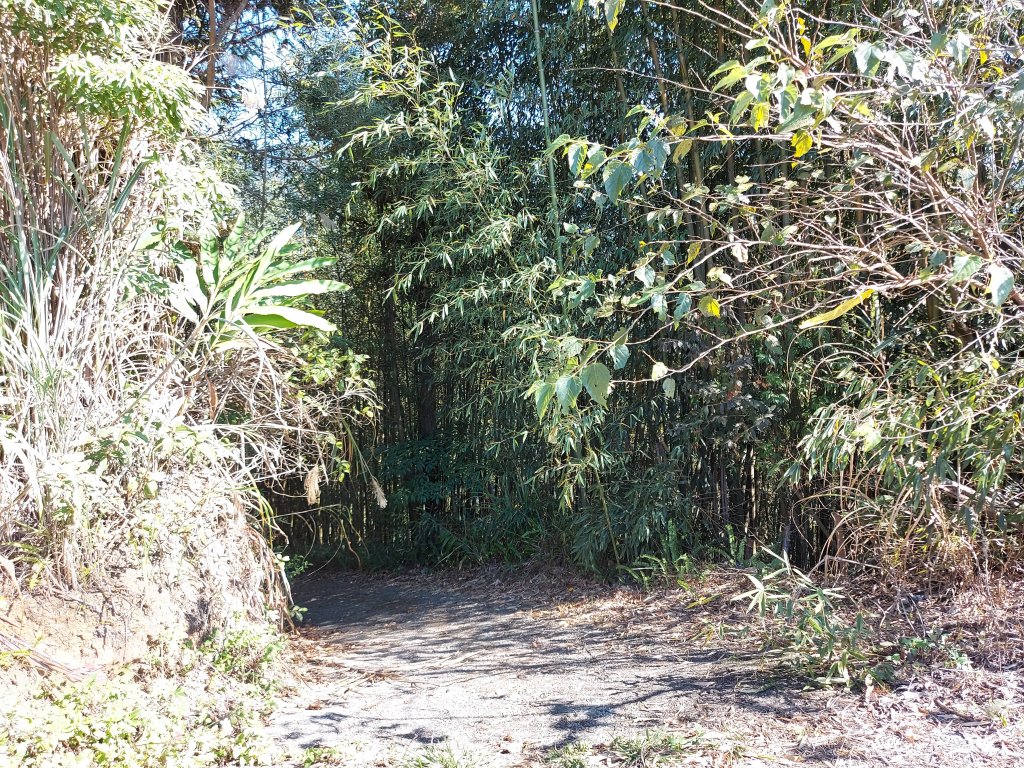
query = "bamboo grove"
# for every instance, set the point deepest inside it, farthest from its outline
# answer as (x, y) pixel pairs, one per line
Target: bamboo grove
(661, 280)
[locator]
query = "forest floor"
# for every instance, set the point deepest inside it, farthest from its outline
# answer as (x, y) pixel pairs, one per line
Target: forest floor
(549, 669)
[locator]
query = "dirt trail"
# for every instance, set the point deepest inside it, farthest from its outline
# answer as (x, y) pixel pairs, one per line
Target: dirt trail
(392, 666)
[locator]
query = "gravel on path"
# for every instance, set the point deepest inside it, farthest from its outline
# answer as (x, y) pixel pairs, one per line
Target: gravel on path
(392, 666)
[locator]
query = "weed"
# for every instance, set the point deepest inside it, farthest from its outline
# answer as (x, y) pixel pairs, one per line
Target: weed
(120, 722)
(653, 747)
(439, 757)
(811, 629)
(570, 756)
(316, 757)
(247, 655)
(936, 648)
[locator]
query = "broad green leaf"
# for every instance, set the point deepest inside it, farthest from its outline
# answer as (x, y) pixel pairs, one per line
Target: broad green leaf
(616, 175)
(577, 156)
(299, 318)
(964, 267)
(869, 434)
(182, 306)
(1000, 284)
(683, 304)
(151, 238)
(619, 354)
(759, 115)
(542, 394)
(842, 309)
(561, 141)
(597, 380)
(832, 41)
(868, 56)
(734, 75)
(739, 107)
(668, 384)
(720, 275)
(753, 84)
(277, 271)
(192, 291)
(724, 67)
(567, 389)
(645, 275)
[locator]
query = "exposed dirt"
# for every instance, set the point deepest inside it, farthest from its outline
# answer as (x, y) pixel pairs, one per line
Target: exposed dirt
(508, 670)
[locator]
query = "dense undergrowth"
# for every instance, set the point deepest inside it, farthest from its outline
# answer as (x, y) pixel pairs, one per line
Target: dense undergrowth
(183, 706)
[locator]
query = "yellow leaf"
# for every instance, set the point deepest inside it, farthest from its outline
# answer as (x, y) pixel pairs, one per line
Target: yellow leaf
(807, 46)
(802, 143)
(759, 115)
(842, 309)
(710, 307)
(682, 147)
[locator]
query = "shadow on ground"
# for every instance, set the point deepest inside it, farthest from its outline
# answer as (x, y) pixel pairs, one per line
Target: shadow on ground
(483, 668)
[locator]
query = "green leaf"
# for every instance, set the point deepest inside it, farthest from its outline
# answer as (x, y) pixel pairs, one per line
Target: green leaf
(964, 267)
(736, 74)
(280, 317)
(868, 56)
(597, 380)
(1000, 284)
(645, 275)
(567, 389)
(151, 238)
(724, 67)
(192, 291)
(659, 371)
(277, 271)
(869, 433)
(616, 175)
(295, 288)
(282, 238)
(842, 309)
(619, 354)
(683, 304)
(542, 394)
(668, 384)
(577, 156)
(739, 107)
(759, 115)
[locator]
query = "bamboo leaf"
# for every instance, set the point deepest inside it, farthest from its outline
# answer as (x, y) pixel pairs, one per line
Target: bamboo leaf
(842, 309)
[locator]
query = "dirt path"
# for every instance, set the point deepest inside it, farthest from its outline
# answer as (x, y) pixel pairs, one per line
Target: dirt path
(394, 666)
